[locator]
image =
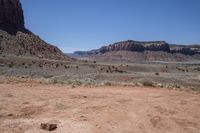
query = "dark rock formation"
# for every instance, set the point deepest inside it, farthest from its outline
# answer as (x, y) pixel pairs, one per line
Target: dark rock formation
(11, 16)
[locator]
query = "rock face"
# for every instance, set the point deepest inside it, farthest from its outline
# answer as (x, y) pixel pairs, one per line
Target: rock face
(16, 40)
(134, 46)
(11, 16)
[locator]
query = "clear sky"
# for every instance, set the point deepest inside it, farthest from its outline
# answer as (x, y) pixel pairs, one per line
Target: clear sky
(88, 24)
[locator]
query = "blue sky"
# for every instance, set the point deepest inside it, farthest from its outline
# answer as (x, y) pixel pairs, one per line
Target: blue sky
(88, 24)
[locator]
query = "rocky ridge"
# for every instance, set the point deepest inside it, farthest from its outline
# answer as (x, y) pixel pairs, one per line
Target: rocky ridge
(133, 46)
(136, 46)
(135, 51)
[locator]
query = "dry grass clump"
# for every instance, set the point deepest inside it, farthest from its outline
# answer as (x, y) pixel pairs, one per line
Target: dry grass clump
(108, 84)
(148, 83)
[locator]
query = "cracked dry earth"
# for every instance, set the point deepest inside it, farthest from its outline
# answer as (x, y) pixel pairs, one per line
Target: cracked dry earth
(23, 107)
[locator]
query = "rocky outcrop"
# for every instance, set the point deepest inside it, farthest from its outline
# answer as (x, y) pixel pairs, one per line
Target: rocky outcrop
(11, 16)
(16, 40)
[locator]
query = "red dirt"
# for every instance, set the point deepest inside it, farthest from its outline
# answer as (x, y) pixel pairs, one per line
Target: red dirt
(23, 107)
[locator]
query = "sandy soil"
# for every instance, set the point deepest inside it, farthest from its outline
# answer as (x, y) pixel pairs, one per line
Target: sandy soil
(23, 107)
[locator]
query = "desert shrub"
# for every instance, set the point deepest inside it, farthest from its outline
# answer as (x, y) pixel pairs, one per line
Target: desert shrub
(57, 81)
(74, 82)
(69, 82)
(48, 76)
(57, 65)
(40, 65)
(198, 68)
(66, 67)
(147, 83)
(177, 86)
(77, 83)
(107, 83)
(73, 86)
(10, 65)
(180, 69)
(33, 62)
(157, 73)
(195, 89)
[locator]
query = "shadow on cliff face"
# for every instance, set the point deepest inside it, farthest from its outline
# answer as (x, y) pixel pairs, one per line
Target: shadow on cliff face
(11, 17)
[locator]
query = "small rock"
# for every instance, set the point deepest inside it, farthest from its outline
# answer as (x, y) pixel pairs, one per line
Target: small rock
(48, 127)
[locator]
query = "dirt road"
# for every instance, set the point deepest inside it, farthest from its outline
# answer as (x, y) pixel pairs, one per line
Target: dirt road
(23, 107)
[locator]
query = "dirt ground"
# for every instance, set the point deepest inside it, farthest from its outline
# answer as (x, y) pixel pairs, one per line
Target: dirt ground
(112, 109)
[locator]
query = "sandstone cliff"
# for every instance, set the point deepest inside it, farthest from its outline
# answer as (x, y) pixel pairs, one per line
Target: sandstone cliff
(11, 14)
(16, 40)
(134, 46)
